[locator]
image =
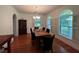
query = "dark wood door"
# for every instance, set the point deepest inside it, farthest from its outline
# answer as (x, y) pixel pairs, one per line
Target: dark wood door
(22, 27)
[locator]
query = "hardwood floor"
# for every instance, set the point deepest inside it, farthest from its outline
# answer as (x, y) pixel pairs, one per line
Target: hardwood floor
(24, 44)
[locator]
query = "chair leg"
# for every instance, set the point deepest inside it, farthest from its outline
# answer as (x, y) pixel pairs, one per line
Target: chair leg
(51, 50)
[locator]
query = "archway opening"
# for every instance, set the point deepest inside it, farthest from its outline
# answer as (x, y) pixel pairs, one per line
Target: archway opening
(14, 24)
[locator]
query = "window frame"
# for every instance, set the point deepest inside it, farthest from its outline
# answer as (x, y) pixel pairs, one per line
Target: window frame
(36, 18)
(49, 18)
(59, 27)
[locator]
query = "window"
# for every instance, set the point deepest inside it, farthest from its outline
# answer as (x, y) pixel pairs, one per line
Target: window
(37, 22)
(65, 26)
(49, 22)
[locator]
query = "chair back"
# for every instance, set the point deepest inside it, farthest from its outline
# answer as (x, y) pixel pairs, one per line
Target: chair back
(47, 30)
(48, 42)
(43, 28)
(33, 36)
(36, 27)
(31, 30)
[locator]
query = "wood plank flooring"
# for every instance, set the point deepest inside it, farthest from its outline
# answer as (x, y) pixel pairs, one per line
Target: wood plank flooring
(24, 44)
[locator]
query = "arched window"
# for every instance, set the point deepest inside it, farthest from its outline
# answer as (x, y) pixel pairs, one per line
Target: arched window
(49, 22)
(65, 23)
(37, 22)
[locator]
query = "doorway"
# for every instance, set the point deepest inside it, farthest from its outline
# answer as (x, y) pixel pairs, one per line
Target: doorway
(14, 24)
(22, 26)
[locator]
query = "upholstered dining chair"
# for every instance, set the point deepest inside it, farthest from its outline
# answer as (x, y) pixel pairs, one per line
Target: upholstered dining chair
(48, 43)
(43, 28)
(32, 34)
(47, 30)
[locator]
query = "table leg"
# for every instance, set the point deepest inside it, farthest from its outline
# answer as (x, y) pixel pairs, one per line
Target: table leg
(9, 47)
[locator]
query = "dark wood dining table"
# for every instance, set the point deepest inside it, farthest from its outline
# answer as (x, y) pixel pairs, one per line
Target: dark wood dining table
(6, 39)
(40, 37)
(41, 33)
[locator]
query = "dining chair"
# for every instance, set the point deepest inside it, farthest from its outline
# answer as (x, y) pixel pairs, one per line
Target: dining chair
(31, 30)
(48, 43)
(36, 27)
(43, 28)
(47, 30)
(32, 34)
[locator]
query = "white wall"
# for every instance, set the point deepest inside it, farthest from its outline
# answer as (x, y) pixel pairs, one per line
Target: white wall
(30, 21)
(55, 13)
(6, 19)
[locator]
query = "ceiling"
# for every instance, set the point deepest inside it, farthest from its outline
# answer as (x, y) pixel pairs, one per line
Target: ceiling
(42, 9)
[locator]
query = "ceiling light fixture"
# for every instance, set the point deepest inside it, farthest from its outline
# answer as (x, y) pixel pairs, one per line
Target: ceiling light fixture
(36, 13)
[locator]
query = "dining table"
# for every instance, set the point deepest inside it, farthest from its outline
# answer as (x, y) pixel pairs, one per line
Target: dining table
(40, 36)
(6, 39)
(41, 33)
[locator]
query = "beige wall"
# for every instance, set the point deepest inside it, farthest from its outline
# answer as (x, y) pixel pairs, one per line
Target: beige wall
(55, 13)
(6, 19)
(30, 21)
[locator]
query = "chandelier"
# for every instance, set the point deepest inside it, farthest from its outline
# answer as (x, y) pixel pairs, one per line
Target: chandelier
(36, 17)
